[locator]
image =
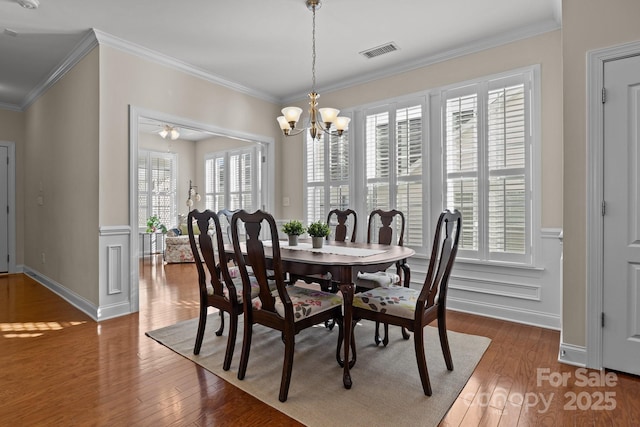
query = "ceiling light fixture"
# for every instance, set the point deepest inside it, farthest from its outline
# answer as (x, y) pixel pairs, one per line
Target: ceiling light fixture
(329, 116)
(169, 131)
(29, 4)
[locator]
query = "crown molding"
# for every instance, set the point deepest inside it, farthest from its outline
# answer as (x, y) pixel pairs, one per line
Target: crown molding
(96, 37)
(10, 107)
(83, 47)
(143, 52)
(467, 49)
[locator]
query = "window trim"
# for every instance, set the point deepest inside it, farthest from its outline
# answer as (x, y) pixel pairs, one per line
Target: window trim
(432, 157)
(257, 155)
(531, 77)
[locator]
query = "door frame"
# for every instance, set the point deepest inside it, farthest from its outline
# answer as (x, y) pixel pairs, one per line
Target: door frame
(135, 113)
(11, 200)
(596, 60)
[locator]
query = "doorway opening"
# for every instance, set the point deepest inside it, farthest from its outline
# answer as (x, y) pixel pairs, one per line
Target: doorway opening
(196, 143)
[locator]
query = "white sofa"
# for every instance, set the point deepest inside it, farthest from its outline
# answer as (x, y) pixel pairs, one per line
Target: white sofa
(177, 247)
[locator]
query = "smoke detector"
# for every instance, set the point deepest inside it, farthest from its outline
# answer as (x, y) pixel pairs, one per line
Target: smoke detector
(29, 4)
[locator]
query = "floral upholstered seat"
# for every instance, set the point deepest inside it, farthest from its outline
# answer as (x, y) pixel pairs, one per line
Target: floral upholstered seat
(392, 299)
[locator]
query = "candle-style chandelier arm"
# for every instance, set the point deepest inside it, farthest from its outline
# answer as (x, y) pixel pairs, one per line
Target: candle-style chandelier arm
(328, 116)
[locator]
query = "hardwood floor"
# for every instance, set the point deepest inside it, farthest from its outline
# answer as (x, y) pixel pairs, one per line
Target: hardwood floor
(60, 368)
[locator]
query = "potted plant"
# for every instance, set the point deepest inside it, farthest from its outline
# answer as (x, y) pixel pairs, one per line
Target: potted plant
(154, 224)
(293, 229)
(318, 231)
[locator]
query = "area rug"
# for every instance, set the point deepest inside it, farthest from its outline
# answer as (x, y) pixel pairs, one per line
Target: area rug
(386, 385)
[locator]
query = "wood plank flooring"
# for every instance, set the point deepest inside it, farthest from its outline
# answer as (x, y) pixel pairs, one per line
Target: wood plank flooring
(60, 368)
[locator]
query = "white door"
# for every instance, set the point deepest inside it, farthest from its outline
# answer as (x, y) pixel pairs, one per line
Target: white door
(4, 209)
(621, 290)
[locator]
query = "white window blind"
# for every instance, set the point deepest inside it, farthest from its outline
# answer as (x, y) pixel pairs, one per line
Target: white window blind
(487, 139)
(232, 179)
(157, 187)
(393, 165)
(327, 175)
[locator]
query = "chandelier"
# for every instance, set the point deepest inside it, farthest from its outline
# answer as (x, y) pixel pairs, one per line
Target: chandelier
(169, 131)
(328, 116)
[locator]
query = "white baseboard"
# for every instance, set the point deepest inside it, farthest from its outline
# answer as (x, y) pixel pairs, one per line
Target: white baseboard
(71, 297)
(518, 315)
(572, 355)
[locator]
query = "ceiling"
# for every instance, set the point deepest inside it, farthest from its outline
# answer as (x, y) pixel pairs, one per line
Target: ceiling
(262, 47)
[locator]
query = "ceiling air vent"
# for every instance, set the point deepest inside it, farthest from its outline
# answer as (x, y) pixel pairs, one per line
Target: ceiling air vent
(379, 50)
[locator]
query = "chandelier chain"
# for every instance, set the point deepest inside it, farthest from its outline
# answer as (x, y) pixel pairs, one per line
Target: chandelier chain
(313, 52)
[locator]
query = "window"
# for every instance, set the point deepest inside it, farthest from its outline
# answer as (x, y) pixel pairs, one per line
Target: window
(327, 175)
(486, 132)
(233, 179)
(393, 165)
(156, 187)
(474, 154)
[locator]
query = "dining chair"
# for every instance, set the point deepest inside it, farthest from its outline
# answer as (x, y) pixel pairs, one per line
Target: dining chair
(412, 308)
(384, 222)
(217, 288)
(343, 220)
(288, 309)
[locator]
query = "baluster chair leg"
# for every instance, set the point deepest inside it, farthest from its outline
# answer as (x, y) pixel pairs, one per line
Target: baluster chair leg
(231, 342)
(444, 342)
(246, 348)
(221, 328)
(418, 339)
(289, 347)
(202, 323)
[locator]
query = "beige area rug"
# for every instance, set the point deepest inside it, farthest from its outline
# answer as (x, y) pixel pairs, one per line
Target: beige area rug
(386, 386)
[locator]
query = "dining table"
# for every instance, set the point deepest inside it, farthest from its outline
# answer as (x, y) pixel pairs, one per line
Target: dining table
(343, 260)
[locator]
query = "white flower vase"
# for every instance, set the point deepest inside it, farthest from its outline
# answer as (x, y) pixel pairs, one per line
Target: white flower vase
(293, 240)
(316, 242)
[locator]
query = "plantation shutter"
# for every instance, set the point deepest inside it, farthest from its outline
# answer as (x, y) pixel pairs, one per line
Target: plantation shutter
(461, 138)
(486, 133)
(156, 187)
(231, 179)
(393, 165)
(327, 175)
(409, 171)
(377, 161)
(507, 174)
(215, 182)
(143, 191)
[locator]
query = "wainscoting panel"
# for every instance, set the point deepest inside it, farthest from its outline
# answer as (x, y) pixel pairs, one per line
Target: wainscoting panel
(529, 295)
(114, 266)
(114, 269)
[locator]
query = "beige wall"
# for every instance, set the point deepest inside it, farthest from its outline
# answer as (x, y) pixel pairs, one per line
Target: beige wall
(12, 127)
(544, 50)
(587, 25)
(128, 80)
(60, 165)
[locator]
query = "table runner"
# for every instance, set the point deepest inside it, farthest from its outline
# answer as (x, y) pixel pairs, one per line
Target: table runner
(329, 249)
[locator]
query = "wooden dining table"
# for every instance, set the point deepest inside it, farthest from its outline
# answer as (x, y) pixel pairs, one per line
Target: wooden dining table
(343, 260)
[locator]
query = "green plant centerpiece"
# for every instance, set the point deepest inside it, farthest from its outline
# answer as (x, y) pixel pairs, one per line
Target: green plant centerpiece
(293, 229)
(154, 224)
(318, 231)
